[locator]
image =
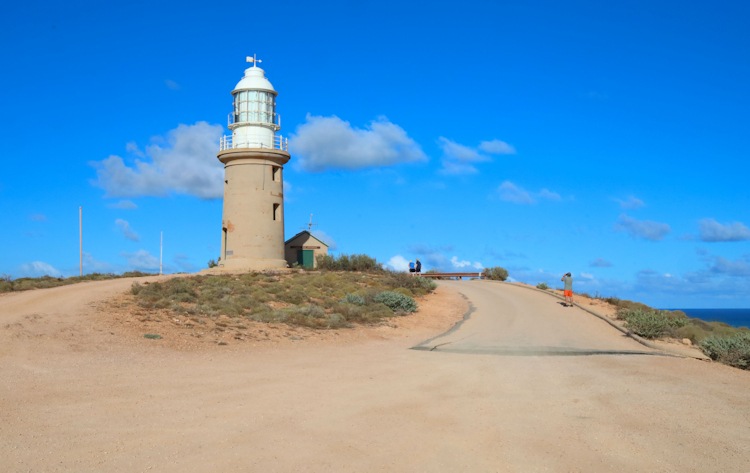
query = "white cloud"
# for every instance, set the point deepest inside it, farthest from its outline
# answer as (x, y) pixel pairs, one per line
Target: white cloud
(431, 258)
(713, 231)
(142, 260)
(723, 279)
(398, 263)
(91, 265)
(459, 152)
(595, 95)
(736, 268)
(646, 229)
(600, 263)
(630, 203)
(172, 85)
(465, 264)
(38, 269)
(182, 261)
(184, 162)
(331, 143)
(509, 192)
(458, 159)
(496, 147)
(123, 205)
(132, 148)
(127, 232)
(547, 194)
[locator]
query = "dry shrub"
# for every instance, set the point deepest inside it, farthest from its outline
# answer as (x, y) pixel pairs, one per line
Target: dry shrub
(733, 350)
(652, 323)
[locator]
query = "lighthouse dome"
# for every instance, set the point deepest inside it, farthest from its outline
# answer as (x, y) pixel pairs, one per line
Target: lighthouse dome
(254, 79)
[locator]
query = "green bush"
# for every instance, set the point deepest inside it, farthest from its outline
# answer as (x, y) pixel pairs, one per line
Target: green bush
(733, 350)
(695, 333)
(652, 323)
(362, 263)
(136, 288)
(625, 304)
(355, 299)
(397, 302)
(418, 286)
(497, 273)
(311, 315)
(543, 286)
(129, 274)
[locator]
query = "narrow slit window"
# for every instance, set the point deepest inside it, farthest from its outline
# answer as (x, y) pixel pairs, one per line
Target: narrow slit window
(276, 173)
(276, 210)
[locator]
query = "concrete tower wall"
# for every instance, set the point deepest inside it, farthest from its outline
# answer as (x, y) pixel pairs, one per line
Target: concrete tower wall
(253, 213)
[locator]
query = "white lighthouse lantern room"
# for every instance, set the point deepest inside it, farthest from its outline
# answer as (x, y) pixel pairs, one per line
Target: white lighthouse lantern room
(253, 157)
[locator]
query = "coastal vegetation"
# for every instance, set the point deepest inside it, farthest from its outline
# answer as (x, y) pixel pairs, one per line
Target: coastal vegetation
(733, 350)
(719, 341)
(315, 299)
(651, 323)
(356, 289)
(8, 284)
(348, 263)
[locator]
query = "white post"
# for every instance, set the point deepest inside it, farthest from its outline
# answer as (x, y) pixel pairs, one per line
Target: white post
(161, 251)
(80, 241)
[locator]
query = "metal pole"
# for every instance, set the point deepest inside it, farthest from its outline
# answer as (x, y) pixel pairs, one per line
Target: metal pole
(161, 251)
(80, 241)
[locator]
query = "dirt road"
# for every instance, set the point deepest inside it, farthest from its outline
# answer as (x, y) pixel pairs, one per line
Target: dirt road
(519, 387)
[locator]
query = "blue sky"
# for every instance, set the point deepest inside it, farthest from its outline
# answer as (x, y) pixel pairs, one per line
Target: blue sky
(609, 139)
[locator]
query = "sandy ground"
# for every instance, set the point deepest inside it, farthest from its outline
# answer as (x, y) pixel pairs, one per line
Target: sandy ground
(82, 390)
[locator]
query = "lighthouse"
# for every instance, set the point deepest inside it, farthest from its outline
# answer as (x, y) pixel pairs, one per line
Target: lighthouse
(252, 236)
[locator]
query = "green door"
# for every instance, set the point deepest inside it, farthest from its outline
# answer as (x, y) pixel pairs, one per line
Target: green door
(305, 258)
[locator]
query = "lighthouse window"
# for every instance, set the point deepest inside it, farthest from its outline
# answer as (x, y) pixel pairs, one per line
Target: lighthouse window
(276, 208)
(276, 173)
(254, 106)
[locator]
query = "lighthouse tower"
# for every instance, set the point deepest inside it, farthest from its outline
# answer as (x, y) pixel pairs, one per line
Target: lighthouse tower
(254, 157)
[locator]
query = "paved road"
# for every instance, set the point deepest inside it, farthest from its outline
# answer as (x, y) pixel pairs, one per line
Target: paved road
(76, 395)
(512, 320)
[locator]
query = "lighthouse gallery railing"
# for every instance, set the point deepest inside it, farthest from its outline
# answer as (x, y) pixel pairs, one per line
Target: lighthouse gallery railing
(279, 142)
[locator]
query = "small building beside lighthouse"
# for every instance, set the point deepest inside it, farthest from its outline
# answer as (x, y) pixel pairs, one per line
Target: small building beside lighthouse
(252, 234)
(303, 249)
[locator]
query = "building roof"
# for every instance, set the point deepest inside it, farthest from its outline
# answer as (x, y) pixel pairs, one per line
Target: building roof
(305, 232)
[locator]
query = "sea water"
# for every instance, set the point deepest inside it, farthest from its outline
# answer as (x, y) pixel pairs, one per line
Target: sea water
(733, 317)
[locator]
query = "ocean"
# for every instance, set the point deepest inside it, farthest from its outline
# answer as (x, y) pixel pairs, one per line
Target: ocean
(733, 317)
